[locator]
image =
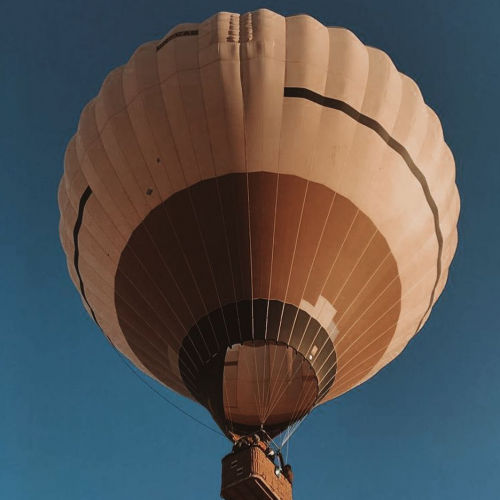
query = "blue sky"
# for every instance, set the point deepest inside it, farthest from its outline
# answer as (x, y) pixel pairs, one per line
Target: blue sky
(76, 424)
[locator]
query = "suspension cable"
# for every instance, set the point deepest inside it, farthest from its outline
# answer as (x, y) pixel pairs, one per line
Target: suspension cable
(145, 381)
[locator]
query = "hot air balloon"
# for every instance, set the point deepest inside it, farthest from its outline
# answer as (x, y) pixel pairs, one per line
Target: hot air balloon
(259, 212)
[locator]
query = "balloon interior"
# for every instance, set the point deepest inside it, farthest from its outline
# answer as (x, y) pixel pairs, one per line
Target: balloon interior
(259, 212)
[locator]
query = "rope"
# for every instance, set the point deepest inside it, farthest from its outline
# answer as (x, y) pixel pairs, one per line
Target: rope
(291, 431)
(178, 408)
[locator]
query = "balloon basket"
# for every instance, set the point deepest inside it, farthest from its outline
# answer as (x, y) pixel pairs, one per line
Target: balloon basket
(249, 473)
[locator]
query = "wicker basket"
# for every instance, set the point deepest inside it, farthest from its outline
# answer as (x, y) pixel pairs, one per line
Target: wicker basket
(250, 475)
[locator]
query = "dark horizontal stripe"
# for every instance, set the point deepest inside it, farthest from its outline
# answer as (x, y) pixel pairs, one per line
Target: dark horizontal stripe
(176, 35)
(76, 231)
(329, 102)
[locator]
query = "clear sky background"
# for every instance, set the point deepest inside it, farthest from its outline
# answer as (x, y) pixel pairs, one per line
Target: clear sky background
(75, 424)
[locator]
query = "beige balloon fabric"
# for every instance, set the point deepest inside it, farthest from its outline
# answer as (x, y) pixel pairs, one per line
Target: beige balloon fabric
(260, 212)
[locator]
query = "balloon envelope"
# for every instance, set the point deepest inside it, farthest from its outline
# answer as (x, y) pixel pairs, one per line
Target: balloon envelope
(259, 212)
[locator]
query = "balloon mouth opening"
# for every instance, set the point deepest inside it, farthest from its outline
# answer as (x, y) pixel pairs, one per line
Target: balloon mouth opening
(266, 385)
(277, 363)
